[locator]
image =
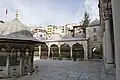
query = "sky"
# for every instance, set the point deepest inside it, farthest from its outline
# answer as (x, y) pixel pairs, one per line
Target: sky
(46, 12)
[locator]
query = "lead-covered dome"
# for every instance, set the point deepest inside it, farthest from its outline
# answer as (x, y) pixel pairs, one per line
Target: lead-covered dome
(67, 36)
(80, 35)
(15, 30)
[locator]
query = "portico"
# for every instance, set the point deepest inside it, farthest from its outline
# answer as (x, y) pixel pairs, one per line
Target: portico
(69, 47)
(109, 15)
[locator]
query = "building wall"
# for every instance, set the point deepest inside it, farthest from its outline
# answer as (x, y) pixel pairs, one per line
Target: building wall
(50, 30)
(39, 31)
(91, 32)
(69, 28)
(95, 39)
(53, 30)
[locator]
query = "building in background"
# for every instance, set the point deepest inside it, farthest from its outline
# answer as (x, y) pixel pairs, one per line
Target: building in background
(74, 29)
(62, 30)
(51, 30)
(95, 39)
(38, 32)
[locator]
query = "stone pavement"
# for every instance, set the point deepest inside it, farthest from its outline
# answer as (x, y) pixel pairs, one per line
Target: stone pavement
(66, 70)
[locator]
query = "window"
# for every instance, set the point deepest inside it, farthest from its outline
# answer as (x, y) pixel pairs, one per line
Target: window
(62, 31)
(95, 38)
(94, 29)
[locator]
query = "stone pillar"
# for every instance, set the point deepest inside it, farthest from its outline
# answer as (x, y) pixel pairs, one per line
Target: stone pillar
(21, 63)
(90, 52)
(107, 14)
(39, 51)
(85, 45)
(116, 23)
(104, 48)
(108, 41)
(30, 56)
(32, 59)
(48, 51)
(71, 52)
(59, 51)
(7, 64)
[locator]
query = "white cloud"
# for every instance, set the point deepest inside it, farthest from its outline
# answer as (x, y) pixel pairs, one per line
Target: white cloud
(43, 12)
(91, 7)
(40, 12)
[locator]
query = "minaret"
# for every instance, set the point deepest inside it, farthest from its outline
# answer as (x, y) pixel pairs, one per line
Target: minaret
(17, 14)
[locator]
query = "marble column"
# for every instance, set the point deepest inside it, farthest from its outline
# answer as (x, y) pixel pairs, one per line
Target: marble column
(39, 51)
(71, 52)
(59, 51)
(104, 48)
(48, 51)
(108, 42)
(7, 65)
(116, 23)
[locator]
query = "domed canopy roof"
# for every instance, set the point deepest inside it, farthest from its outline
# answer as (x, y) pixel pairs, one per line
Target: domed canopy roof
(15, 30)
(67, 36)
(55, 37)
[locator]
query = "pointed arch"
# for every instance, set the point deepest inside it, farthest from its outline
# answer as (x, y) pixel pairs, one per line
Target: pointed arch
(78, 51)
(54, 50)
(65, 50)
(96, 52)
(44, 51)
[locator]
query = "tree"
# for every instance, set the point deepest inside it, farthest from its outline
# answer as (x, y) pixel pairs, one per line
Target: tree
(85, 22)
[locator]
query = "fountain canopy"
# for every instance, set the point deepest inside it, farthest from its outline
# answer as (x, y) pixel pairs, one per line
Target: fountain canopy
(15, 31)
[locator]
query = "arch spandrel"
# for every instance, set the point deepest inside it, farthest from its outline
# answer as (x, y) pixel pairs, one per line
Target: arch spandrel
(65, 44)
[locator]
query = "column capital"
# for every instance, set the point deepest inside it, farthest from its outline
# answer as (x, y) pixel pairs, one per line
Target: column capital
(107, 10)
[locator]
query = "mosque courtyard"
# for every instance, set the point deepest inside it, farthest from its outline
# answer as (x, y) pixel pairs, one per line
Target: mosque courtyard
(67, 70)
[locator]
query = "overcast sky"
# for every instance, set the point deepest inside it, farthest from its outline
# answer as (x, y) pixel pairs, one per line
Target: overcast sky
(44, 12)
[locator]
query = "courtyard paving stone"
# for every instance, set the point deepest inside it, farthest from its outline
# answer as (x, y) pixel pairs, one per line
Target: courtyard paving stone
(66, 70)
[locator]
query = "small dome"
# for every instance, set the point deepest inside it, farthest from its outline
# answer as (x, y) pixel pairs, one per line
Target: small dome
(80, 35)
(55, 37)
(95, 22)
(67, 36)
(15, 30)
